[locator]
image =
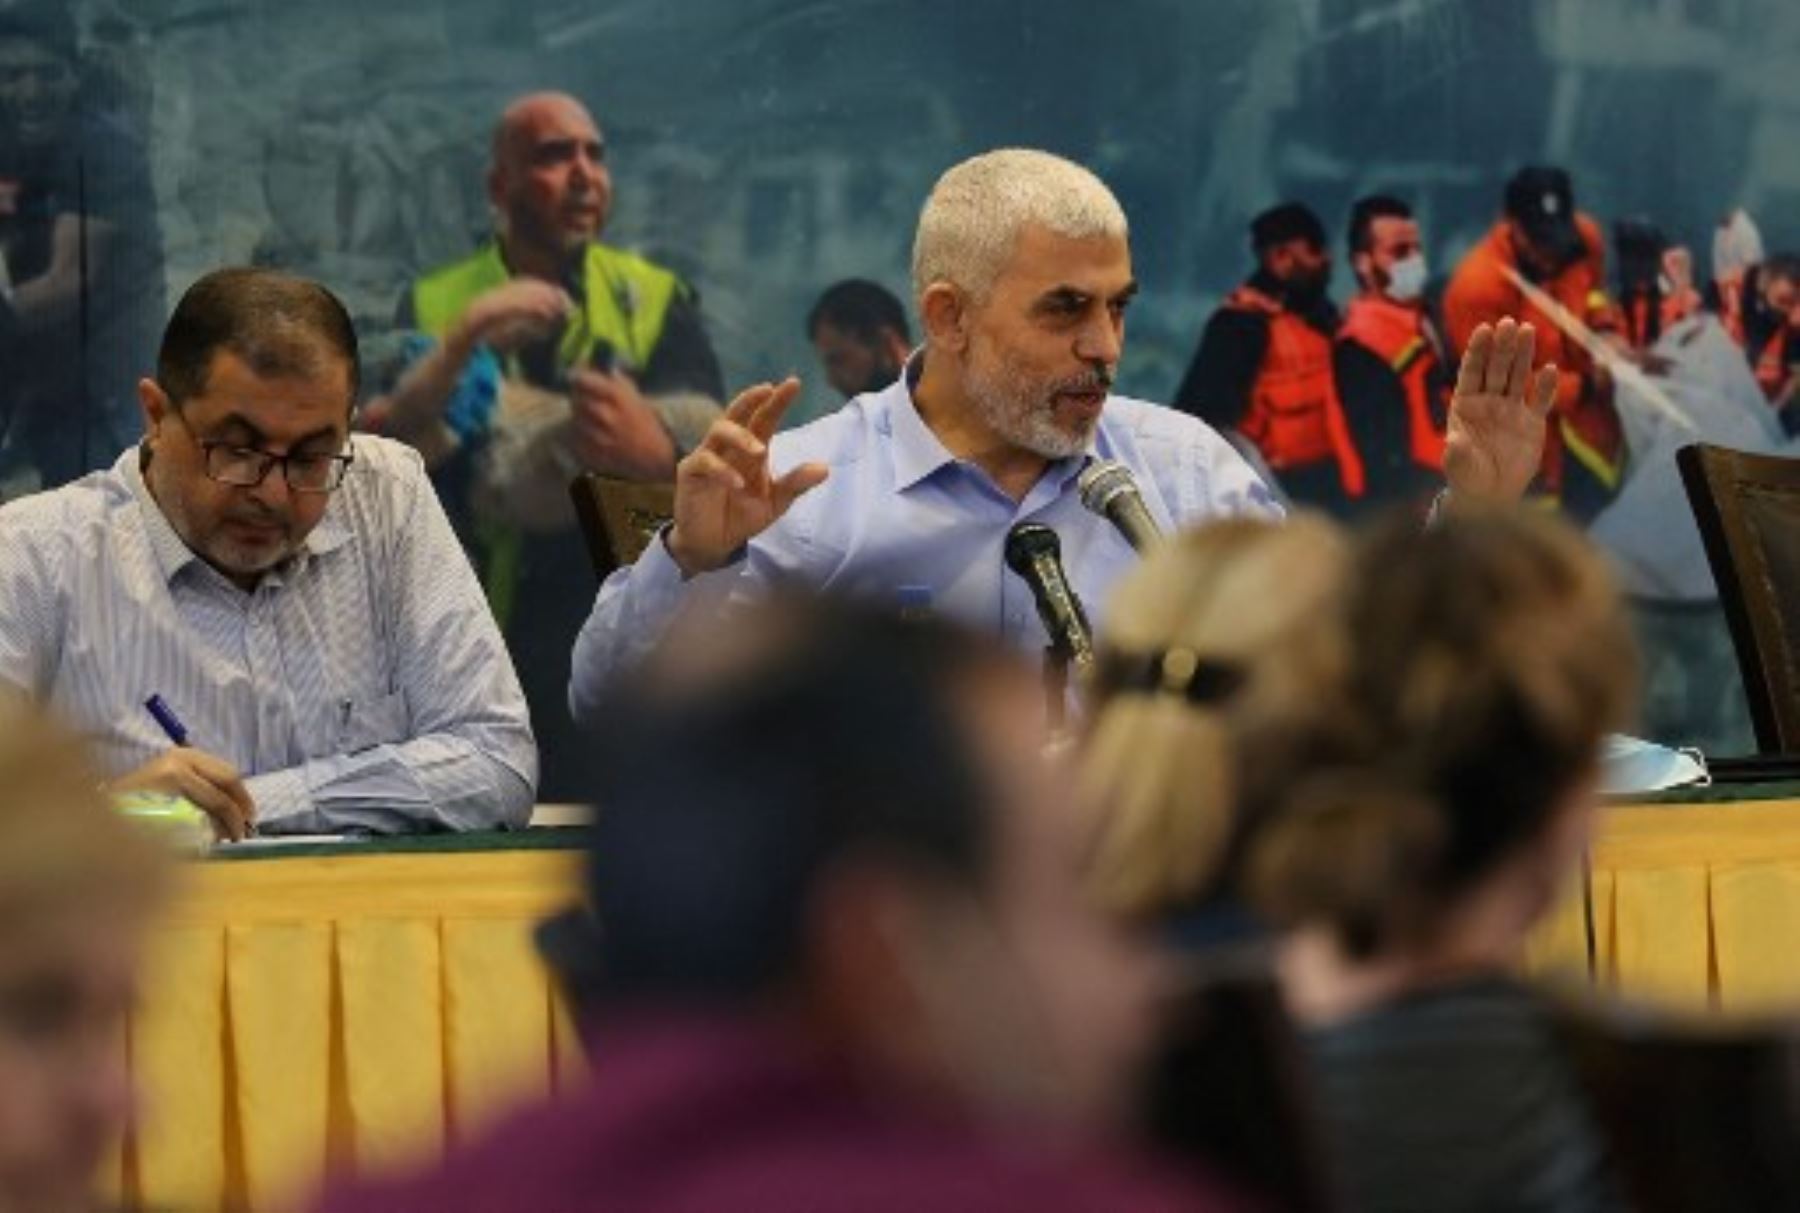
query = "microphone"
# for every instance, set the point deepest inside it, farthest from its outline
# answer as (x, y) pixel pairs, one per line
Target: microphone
(1035, 553)
(1110, 490)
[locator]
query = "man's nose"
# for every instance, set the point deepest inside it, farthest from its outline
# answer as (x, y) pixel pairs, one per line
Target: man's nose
(273, 492)
(1101, 341)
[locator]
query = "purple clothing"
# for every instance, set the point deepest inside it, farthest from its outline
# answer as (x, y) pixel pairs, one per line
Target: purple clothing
(701, 1116)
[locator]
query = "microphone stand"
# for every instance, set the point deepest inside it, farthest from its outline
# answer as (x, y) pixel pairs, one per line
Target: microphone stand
(1057, 659)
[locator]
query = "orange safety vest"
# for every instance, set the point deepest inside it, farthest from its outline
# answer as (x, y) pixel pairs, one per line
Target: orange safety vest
(1670, 311)
(1400, 336)
(1771, 363)
(1295, 418)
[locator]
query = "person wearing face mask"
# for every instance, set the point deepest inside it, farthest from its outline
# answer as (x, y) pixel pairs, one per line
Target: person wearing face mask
(1542, 239)
(1389, 362)
(1263, 368)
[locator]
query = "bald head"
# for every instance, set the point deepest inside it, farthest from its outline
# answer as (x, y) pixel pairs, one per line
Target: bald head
(547, 179)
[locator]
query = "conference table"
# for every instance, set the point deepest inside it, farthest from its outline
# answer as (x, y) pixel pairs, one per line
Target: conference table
(342, 1006)
(361, 1004)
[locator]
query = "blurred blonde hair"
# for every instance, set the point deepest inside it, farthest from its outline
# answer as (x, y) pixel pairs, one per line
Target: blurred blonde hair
(1253, 597)
(972, 219)
(1490, 657)
(62, 844)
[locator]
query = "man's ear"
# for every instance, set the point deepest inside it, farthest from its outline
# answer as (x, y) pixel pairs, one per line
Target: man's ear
(944, 311)
(156, 406)
(1363, 266)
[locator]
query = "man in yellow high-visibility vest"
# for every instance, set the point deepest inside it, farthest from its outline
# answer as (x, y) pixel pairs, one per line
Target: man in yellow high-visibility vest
(547, 353)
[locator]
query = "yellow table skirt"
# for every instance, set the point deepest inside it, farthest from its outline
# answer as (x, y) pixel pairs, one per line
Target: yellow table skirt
(314, 1014)
(1692, 906)
(307, 1015)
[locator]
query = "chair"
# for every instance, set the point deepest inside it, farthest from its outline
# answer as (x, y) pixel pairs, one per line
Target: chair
(619, 518)
(1694, 1115)
(1748, 510)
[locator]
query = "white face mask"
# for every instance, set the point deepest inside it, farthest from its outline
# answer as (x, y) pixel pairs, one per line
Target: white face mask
(1406, 278)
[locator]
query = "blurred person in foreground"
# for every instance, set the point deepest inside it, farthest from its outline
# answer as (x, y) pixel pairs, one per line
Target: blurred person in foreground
(845, 960)
(77, 885)
(1403, 780)
(858, 328)
(1022, 278)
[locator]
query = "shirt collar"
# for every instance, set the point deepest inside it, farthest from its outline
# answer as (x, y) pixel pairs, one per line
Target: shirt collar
(917, 452)
(172, 552)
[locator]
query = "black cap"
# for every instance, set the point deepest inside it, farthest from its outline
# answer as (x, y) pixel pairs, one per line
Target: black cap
(1541, 201)
(1280, 224)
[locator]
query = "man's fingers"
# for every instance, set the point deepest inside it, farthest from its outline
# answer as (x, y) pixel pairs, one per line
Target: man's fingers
(768, 413)
(743, 406)
(1543, 391)
(705, 467)
(226, 813)
(225, 777)
(1499, 364)
(1519, 380)
(738, 447)
(1474, 361)
(730, 439)
(801, 480)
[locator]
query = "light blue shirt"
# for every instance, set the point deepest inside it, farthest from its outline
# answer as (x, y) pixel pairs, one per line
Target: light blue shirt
(900, 510)
(362, 685)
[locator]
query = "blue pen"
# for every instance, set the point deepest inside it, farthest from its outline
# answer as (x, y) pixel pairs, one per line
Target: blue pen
(165, 716)
(170, 723)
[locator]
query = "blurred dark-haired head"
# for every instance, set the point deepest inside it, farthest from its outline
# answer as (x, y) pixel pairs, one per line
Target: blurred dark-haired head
(39, 74)
(859, 329)
(849, 822)
(1539, 203)
(1290, 247)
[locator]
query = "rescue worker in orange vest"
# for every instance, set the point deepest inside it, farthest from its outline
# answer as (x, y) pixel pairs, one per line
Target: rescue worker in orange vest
(1392, 377)
(1542, 238)
(1656, 283)
(1770, 307)
(1263, 367)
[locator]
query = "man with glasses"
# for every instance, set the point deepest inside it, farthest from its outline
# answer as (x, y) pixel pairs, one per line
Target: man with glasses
(324, 654)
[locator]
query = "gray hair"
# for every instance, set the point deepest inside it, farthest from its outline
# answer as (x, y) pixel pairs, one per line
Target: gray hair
(973, 218)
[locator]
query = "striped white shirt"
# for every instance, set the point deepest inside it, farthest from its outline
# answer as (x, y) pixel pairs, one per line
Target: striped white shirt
(363, 685)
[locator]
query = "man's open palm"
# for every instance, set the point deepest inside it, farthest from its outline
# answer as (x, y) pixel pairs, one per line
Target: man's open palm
(1498, 413)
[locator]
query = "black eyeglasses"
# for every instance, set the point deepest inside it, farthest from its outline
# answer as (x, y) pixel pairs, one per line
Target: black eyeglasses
(245, 467)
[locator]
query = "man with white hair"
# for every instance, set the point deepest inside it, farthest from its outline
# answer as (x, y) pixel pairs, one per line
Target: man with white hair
(1022, 276)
